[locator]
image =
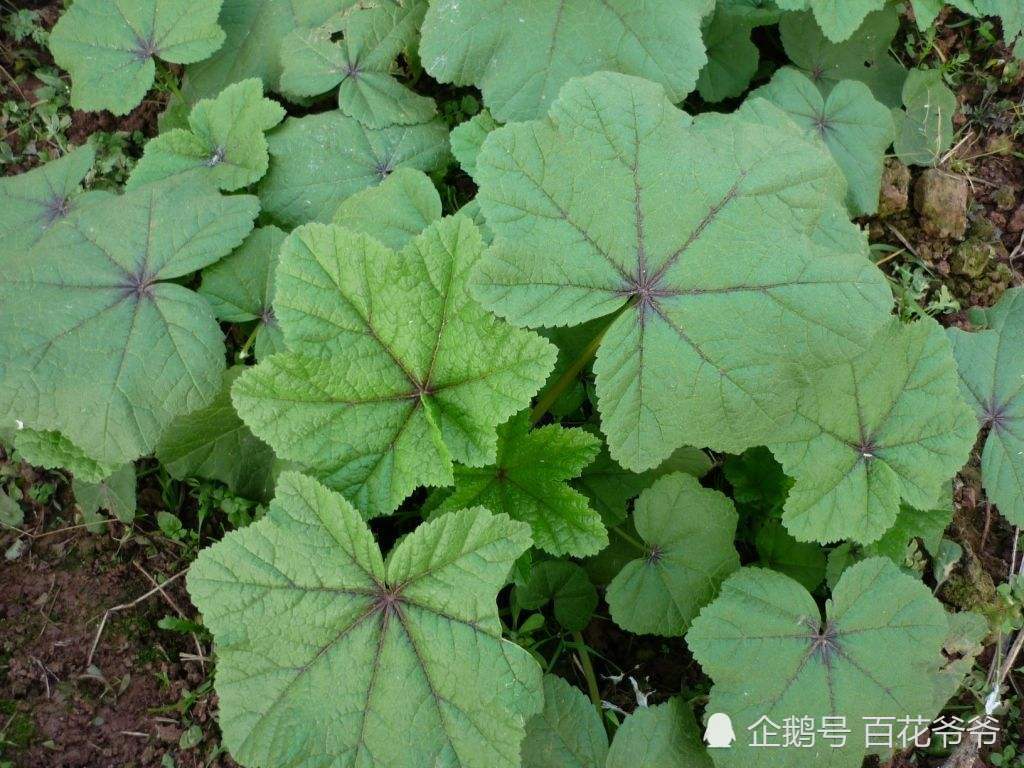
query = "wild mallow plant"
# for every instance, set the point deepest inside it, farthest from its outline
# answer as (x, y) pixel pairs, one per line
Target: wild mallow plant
(537, 378)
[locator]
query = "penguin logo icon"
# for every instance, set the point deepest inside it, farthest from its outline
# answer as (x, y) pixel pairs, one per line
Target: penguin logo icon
(719, 733)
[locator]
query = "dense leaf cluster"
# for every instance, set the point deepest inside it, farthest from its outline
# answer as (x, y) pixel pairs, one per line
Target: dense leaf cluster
(639, 296)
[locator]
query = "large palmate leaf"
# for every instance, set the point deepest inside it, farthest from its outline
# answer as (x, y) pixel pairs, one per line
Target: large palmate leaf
(688, 532)
(328, 654)
(924, 129)
(886, 426)
(520, 53)
(610, 487)
(252, 48)
(699, 233)
(224, 145)
(864, 56)
(528, 482)
(395, 211)
(213, 443)
(838, 19)
(360, 64)
(991, 365)
(108, 46)
(240, 288)
(856, 129)
(876, 653)
(392, 371)
(569, 734)
(732, 56)
(319, 160)
(31, 203)
(123, 350)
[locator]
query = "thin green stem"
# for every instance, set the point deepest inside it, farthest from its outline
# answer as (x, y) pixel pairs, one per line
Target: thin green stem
(588, 674)
(552, 393)
(243, 353)
(631, 539)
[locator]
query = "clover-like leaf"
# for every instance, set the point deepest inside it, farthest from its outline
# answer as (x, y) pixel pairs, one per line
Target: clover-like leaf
(610, 487)
(521, 52)
(856, 129)
(108, 46)
(699, 234)
(32, 202)
(224, 145)
(876, 653)
(864, 56)
(395, 211)
(567, 733)
(214, 443)
(254, 30)
(528, 482)
(240, 288)
(330, 654)
(52, 450)
(360, 64)
(688, 534)
(802, 561)
(128, 349)
(732, 56)
(319, 160)
(924, 129)
(886, 426)
(838, 19)
(566, 585)
(991, 367)
(392, 371)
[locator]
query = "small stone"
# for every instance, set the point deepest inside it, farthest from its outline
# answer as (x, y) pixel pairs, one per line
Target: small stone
(894, 195)
(941, 200)
(1016, 223)
(972, 258)
(1005, 197)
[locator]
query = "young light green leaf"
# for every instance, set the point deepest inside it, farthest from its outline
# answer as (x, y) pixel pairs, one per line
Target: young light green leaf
(130, 349)
(663, 736)
(864, 56)
(876, 653)
(327, 652)
(240, 288)
(588, 220)
(528, 482)
(732, 56)
(360, 64)
(214, 443)
(51, 450)
(252, 48)
(886, 426)
(395, 211)
(688, 532)
(568, 733)
(319, 160)
(467, 138)
(115, 494)
(609, 487)
(108, 46)
(924, 130)
(856, 129)
(991, 368)
(802, 561)
(566, 585)
(224, 145)
(521, 53)
(392, 371)
(838, 19)
(31, 203)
